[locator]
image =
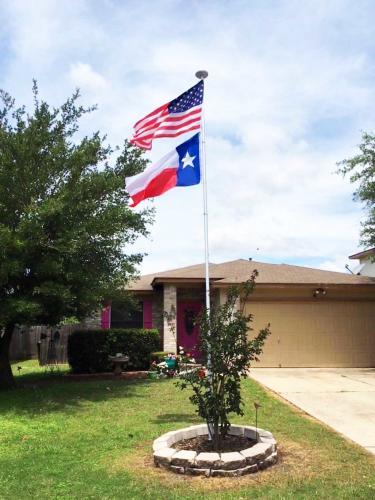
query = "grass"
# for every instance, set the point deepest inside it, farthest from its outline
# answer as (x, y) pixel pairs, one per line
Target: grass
(29, 371)
(93, 440)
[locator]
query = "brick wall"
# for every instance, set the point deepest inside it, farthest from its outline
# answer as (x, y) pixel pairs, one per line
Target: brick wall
(92, 322)
(169, 328)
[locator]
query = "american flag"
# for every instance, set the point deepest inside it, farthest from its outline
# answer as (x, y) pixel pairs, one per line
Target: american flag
(174, 118)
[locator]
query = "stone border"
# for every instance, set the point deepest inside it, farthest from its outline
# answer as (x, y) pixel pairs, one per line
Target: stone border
(237, 463)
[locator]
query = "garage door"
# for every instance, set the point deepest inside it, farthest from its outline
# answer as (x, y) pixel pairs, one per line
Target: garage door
(325, 334)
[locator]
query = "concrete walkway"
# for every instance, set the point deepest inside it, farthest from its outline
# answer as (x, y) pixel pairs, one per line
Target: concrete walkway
(343, 398)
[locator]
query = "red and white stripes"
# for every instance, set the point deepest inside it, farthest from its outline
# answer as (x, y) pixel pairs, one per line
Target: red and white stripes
(162, 123)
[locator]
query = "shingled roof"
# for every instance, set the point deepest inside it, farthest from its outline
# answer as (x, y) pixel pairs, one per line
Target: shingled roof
(365, 253)
(237, 271)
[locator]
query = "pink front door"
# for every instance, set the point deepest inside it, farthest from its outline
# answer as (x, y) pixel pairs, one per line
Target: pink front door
(187, 330)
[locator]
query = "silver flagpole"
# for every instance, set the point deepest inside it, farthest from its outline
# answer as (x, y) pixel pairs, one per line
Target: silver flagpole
(201, 75)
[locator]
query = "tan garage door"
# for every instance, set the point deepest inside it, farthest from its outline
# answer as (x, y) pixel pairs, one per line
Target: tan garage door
(324, 334)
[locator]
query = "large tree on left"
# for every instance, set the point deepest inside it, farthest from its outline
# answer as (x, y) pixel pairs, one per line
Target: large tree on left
(65, 225)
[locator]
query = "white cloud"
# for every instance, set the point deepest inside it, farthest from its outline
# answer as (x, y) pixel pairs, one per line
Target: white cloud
(290, 89)
(338, 263)
(83, 76)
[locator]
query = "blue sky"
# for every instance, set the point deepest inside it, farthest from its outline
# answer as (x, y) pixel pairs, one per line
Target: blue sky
(290, 88)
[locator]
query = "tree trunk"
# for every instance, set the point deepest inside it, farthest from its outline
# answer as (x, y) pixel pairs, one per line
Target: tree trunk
(6, 376)
(216, 437)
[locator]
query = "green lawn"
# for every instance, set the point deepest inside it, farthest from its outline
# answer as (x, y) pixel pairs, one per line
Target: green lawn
(72, 440)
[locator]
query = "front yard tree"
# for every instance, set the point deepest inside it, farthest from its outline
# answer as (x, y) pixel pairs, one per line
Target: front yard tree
(361, 169)
(65, 225)
(228, 351)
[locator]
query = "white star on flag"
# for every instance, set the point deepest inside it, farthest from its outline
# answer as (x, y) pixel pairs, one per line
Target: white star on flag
(187, 160)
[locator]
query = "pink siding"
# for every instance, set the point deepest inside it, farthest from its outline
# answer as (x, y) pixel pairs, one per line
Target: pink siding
(147, 314)
(106, 317)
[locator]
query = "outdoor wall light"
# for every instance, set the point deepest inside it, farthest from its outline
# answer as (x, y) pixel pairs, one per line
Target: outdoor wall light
(319, 292)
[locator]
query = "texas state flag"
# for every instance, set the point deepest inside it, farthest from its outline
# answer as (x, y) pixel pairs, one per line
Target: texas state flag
(180, 167)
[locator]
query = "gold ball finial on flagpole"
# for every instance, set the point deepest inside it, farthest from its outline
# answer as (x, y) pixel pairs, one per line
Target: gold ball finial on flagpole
(201, 74)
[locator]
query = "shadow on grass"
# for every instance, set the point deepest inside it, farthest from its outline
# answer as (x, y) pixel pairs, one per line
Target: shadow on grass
(166, 418)
(55, 394)
(46, 377)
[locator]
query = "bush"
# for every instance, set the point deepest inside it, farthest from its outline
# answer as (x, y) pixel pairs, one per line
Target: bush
(229, 352)
(88, 350)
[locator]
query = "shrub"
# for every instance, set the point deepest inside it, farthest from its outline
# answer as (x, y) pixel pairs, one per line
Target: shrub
(88, 350)
(228, 351)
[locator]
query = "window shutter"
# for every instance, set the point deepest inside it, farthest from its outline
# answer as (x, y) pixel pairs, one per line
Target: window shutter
(106, 317)
(147, 314)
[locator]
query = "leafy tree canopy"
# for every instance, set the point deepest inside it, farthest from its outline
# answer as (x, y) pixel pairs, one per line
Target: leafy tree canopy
(361, 170)
(65, 225)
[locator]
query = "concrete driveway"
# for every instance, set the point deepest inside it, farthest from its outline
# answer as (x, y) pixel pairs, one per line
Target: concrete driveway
(343, 398)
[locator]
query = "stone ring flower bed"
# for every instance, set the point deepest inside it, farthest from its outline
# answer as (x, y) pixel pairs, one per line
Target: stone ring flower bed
(259, 456)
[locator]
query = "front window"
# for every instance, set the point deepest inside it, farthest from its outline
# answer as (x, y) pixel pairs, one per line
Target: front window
(122, 316)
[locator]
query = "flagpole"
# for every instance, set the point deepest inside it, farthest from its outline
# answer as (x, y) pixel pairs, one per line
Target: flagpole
(201, 75)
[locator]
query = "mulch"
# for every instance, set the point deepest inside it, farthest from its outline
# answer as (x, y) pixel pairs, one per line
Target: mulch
(202, 444)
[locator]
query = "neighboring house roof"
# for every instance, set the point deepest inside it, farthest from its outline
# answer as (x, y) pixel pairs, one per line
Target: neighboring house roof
(365, 253)
(240, 270)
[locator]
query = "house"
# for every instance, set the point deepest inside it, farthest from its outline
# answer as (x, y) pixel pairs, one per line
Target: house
(318, 318)
(366, 266)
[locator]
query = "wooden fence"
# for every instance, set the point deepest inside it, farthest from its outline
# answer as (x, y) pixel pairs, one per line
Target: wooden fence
(49, 345)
